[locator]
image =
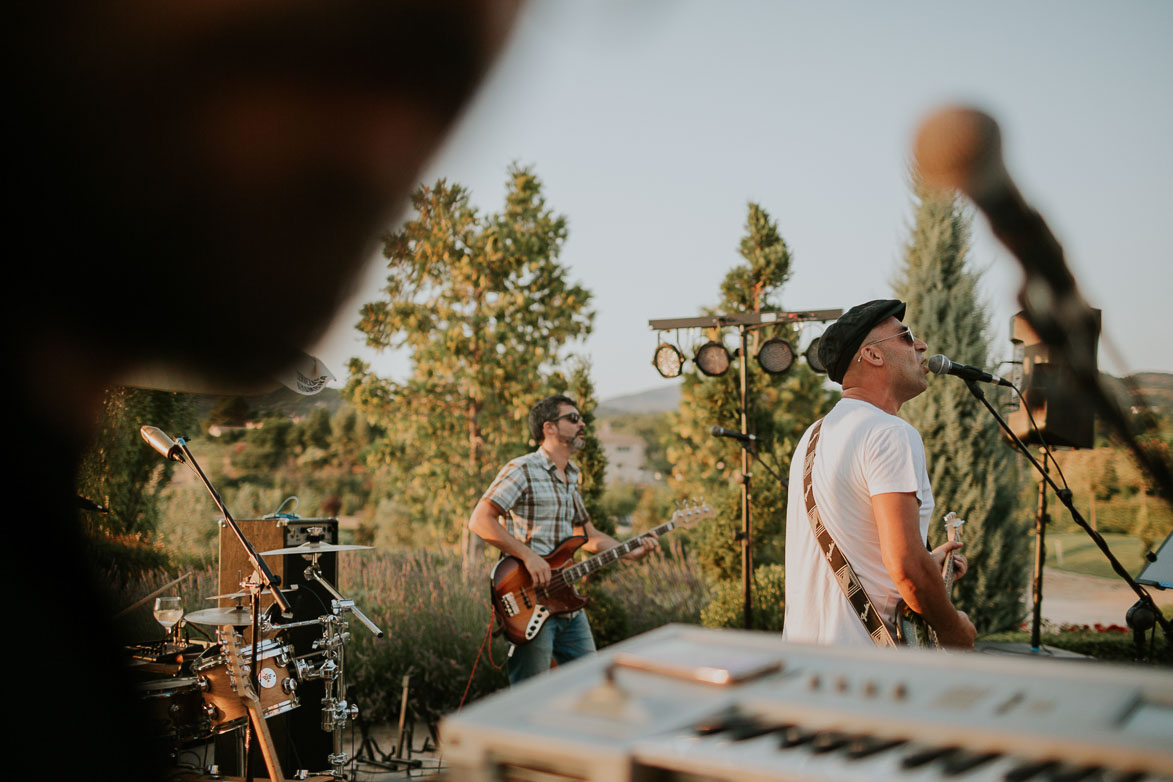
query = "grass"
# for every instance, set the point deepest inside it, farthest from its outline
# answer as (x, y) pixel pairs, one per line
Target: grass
(1076, 553)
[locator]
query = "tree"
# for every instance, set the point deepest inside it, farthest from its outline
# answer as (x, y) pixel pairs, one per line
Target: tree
(780, 409)
(972, 472)
(483, 307)
(590, 460)
(123, 474)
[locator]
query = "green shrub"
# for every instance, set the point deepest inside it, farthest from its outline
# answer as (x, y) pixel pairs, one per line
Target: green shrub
(662, 588)
(727, 608)
(434, 623)
(1107, 646)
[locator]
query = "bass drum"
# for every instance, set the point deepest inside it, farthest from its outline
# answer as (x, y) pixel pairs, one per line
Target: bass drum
(176, 710)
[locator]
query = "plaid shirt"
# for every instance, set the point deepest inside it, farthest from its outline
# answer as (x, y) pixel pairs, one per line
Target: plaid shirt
(541, 510)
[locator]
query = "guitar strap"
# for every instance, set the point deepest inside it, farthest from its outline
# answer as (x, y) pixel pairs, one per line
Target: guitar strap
(844, 573)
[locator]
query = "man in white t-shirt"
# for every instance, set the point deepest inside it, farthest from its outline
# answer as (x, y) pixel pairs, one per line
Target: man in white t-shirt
(872, 491)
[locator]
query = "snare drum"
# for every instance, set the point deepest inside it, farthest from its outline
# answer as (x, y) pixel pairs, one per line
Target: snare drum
(175, 708)
(277, 691)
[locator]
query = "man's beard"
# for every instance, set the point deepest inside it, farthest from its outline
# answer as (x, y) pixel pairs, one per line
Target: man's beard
(576, 443)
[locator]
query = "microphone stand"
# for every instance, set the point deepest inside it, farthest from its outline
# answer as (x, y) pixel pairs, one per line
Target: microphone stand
(748, 449)
(1144, 609)
(262, 579)
(265, 577)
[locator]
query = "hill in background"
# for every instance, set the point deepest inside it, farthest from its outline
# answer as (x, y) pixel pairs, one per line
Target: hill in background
(662, 399)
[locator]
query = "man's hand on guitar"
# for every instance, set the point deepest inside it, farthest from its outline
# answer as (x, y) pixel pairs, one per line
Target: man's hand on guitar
(539, 569)
(960, 563)
(647, 544)
(959, 636)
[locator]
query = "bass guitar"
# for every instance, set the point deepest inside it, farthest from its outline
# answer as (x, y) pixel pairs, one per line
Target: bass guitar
(911, 627)
(522, 608)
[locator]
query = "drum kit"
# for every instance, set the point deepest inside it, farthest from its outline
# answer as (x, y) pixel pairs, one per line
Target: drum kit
(212, 689)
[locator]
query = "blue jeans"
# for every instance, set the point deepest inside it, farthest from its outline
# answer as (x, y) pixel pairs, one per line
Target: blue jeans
(563, 638)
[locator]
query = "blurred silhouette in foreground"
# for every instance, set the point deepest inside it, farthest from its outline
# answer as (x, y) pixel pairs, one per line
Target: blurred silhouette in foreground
(196, 183)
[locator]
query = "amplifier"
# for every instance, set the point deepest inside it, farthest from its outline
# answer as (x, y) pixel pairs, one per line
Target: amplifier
(688, 703)
(268, 535)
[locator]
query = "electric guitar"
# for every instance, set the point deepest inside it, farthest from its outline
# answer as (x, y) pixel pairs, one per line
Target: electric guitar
(238, 676)
(911, 627)
(522, 608)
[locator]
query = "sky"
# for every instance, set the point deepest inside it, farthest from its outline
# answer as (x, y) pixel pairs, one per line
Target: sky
(653, 124)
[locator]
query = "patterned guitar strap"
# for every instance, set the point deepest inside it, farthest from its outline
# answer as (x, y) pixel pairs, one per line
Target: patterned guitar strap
(842, 569)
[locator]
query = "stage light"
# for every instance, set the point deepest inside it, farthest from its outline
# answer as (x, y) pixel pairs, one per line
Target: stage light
(712, 358)
(812, 357)
(775, 356)
(668, 360)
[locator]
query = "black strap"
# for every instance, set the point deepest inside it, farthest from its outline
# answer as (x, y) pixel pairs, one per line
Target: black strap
(844, 574)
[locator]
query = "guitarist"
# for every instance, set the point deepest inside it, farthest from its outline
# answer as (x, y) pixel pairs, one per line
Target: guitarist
(537, 496)
(872, 493)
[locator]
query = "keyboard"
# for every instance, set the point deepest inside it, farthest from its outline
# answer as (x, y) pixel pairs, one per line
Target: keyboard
(699, 705)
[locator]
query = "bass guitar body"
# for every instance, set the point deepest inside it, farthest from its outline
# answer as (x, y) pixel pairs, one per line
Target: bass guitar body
(521, 608)
(911, 628)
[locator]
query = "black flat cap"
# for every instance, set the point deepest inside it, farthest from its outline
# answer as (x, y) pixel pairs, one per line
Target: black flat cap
(839, 343)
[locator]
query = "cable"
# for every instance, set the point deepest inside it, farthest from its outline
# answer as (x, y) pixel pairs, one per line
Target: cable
(471, 676)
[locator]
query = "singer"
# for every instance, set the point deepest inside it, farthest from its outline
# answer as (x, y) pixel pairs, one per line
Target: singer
(868, 486)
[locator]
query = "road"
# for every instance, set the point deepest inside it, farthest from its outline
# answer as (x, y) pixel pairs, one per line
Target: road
(1073, 598)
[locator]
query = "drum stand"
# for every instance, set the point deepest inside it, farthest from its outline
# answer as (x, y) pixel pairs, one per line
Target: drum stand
(336, 712)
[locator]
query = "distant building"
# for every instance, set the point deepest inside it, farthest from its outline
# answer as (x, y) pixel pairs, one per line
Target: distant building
(626, 456)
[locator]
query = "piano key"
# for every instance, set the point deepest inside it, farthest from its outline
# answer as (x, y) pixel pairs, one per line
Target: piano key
(794, 736)
(752, 730)
(920, 755)
(1029, 770)
(866, 746)
(829, 741)
(963, 762)
(1074, 773)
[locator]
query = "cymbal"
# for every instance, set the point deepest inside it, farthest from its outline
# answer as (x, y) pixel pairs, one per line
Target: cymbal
(315, 548)
(236, 616)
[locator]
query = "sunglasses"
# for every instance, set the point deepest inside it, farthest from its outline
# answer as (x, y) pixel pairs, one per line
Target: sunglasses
(907, 334)
(909, 339)
(573, 417)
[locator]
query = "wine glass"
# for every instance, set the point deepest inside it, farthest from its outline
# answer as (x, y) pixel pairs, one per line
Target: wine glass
(168, 612)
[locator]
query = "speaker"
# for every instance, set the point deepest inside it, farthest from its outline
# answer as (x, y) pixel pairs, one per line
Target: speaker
(1063, 412)
(300, 741)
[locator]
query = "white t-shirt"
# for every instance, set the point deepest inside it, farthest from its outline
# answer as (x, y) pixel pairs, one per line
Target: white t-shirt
(862, 452)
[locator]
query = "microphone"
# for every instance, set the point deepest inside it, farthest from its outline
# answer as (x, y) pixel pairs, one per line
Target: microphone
(718, 431)
(159, 440)
(940, 365)
(961, 148)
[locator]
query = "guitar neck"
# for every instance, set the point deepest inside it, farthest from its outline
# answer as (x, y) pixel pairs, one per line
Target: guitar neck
(954, 536)
(604, 558)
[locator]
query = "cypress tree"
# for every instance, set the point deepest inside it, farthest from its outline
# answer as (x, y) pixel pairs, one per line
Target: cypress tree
(973, 473)
(779, 410)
